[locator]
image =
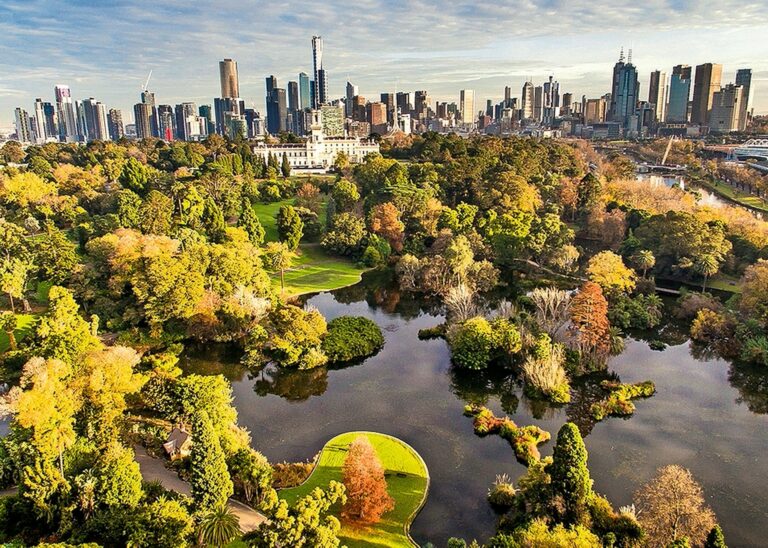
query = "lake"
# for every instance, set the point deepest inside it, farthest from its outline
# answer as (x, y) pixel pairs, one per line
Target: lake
(707, 415)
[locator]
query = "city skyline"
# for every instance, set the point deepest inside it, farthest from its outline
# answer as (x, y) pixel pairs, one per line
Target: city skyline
(185, 69)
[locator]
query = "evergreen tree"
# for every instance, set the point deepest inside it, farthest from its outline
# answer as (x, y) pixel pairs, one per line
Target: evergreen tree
(209, 477)
(570, 475)
(273, 162)
(290, 227)
(213, 220)
(249, 221)
(715, 538)
(134, 176)
(285, 167)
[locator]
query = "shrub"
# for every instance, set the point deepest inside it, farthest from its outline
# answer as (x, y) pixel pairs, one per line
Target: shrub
(437, 332)
(291, 474)
(476, 342)
(524, 440)
(544, 372)
(690, 303)
(350, 338)
(502, 493)
(640, 312)
(618, 402)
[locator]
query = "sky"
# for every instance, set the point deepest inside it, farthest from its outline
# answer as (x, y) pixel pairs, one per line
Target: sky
(106, 48)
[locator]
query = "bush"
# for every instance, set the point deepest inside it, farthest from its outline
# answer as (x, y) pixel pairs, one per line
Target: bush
(640, 312)
(291, 474)
(437, 332)
(350, 338)
(476, 342)
(502, 493)
(619, 403)
(690, 303)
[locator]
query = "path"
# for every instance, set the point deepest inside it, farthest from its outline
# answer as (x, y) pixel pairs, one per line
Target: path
(153, 469)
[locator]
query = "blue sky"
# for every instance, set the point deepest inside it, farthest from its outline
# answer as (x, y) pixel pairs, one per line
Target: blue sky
(106, 48)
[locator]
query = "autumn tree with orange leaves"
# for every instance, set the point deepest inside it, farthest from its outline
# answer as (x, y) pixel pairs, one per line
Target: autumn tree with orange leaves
(385, 221)
(590, 328)
(363, 477)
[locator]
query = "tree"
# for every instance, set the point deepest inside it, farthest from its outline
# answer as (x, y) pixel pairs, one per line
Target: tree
(715, 538)
(11, 152)
(671, 506)
(13, 279)
(62, 333)
(754, 296)
(47, 407)
(134, 176)
(55, 255)
(608, 271)
(127, 205)
(365, 484)
(290, 227)
(590, 328)
(385, 221)
(346, 235)
(306, 524)
(645, 260)
(218, 527)
(588, 193)
(249, 221)
(290, 337)
(570, 475)
(345, 195)
(706, 266)
(209, 477)
(278, 258)
(285, 166)
(251, 473)
(156, 213)
(213, 221)
(118, 478)
(8, 324)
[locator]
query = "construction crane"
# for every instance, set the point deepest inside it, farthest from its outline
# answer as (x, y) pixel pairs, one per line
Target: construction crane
(666, 152)
(144, 87)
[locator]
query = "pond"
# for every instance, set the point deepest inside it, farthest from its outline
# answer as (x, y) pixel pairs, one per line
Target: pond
(707, 415)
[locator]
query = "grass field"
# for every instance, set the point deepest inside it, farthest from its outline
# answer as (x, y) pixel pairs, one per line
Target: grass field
(407, 483)
(25, 323)
(314, 270)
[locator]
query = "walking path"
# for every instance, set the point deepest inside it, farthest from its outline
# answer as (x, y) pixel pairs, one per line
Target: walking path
(153, 469)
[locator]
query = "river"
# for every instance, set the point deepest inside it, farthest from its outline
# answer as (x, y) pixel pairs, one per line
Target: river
(707, 415)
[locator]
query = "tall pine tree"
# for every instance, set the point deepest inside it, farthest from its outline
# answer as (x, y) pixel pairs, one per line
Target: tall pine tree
(570, 475)
(249, 221)
(213, 220)
(209, 476)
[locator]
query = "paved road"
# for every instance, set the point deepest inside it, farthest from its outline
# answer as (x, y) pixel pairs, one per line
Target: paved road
(153, 469)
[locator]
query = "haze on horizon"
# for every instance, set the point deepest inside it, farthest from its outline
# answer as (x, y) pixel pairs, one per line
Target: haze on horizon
(106, 51)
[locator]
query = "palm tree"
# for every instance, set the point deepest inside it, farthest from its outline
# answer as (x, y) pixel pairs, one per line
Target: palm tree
(279, 259)
(645, 260)
(707, 266)
(218, 527)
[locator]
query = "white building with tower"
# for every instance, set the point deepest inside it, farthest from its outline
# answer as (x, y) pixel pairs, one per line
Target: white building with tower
(318, 152)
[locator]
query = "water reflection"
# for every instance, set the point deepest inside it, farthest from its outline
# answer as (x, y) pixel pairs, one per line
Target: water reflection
(708, 416)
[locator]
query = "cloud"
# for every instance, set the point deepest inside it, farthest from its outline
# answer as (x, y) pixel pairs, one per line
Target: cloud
(105, 49)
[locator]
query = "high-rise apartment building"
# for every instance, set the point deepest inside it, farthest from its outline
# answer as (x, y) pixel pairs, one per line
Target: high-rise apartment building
(116, 129)
(321, 83)
(707, 82)
(305, 94)
(467, 106)
(67, 116)
(377, 116)
(51, 126)
(352, 92)
(551, 101)
(625, 91)
(38, 124)
(142, 114)
(726, 113)
(507, 96)
(657, 94)
(744, 79)
(166, 120)
(230, 85)
(421, 105)
(277, 109)
(23, 126)
(679, 94)
(188, 122)
(148, 98)
(526, 101)
(389, 100)
(206, 112)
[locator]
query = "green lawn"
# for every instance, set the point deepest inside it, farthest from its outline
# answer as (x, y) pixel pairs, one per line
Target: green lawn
(407, 483)
(25, 323)
(314, 270)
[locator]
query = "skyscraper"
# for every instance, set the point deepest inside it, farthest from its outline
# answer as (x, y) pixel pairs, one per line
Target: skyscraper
(551, 104)
(467, 106)
(679, 93)
(294, 107)
(187, 121)
(148, 98)
(421, 104)
(116, 130)
(167, 122)
(403, 99)
(507, 96)
(38, 126)
(23, 127)
(142, 113)
(305, 95)
(657, 94)
(725, 115)
(706, 84)
(538, 103)
(625, 91)
(66, 110)
(352, 91)
(744, 79)
(51, 128)
(276, 107)
(527, 101)
(205, 112)
(230, 86)
(321, 85)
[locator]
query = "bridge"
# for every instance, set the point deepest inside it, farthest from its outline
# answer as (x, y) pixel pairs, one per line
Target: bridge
(659, 168)
(753, 149)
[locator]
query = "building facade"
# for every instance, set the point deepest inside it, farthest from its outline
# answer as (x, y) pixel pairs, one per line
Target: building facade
(707, 82)
(319, 151)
